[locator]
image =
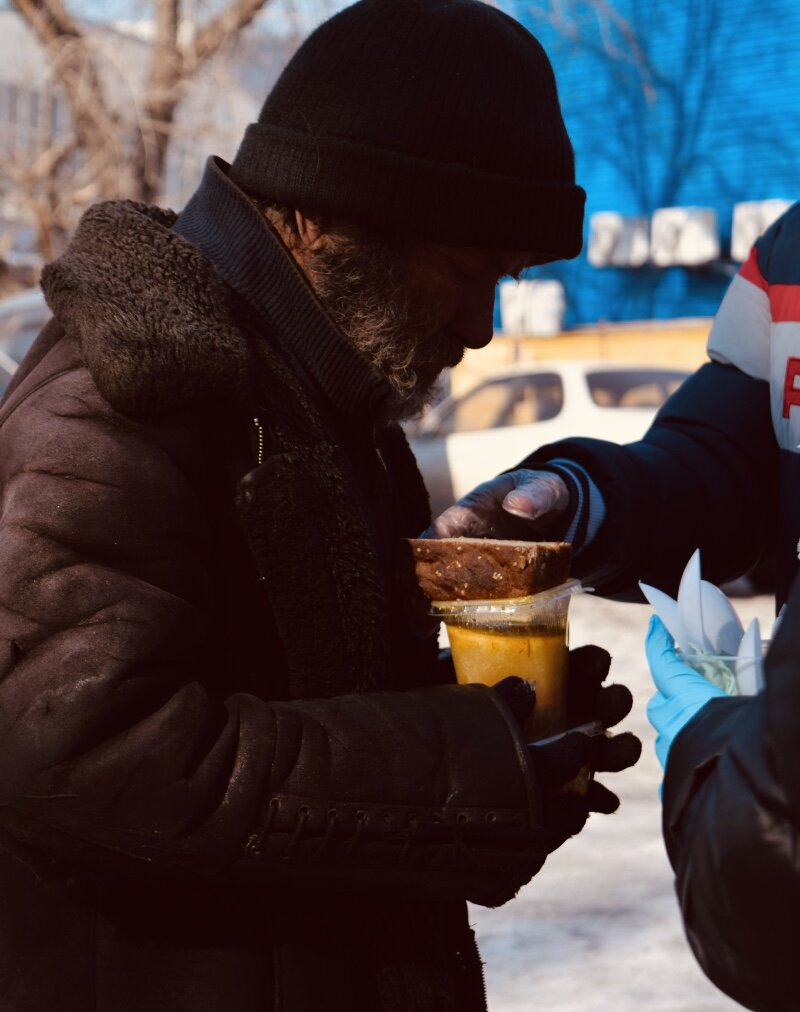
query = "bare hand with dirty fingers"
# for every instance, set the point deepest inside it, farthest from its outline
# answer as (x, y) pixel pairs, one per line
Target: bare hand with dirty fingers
(519, 504)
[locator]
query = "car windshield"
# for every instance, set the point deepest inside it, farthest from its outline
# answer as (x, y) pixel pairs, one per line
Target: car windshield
(633, 388)
(511, 400)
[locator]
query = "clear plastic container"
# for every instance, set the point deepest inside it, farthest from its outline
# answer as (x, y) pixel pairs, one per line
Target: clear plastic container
(720, 670)
(523, 636)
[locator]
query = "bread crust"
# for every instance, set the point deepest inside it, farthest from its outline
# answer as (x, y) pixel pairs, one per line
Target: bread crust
(470, 569)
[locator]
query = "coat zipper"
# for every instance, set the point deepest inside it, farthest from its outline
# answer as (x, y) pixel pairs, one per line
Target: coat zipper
(259, 440)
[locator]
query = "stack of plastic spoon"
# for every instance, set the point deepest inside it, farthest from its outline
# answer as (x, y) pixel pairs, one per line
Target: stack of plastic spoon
(709, 633)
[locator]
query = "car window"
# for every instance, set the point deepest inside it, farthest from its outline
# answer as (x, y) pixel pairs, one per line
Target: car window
(633, 388)
(513, 400)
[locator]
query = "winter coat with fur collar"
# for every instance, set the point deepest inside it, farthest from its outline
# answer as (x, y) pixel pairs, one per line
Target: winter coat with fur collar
(223, 786)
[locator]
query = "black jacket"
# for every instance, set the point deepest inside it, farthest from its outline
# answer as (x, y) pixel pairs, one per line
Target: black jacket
(720, 470)
(732, 829)
(228, 780)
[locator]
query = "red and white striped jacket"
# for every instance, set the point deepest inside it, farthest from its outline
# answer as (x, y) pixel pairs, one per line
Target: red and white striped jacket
(757, 328)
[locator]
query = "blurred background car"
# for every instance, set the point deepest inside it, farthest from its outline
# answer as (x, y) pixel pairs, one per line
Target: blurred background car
(472, 436)
(22, 316)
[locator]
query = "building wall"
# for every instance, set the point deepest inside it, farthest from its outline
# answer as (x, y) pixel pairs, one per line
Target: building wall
(674, 102)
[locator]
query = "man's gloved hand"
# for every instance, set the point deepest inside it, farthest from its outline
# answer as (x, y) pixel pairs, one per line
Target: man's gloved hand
(681, 690)
(511, 505)
(559, 762)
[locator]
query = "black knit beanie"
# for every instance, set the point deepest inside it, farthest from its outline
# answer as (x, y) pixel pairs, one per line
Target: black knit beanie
(431, 119)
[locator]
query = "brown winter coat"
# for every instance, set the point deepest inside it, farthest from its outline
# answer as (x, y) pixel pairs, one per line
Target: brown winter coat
(217, 792)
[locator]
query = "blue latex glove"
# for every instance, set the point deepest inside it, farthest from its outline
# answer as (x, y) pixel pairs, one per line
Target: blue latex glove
(681, 690)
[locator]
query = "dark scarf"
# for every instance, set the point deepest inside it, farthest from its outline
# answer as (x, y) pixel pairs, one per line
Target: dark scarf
(163, 334)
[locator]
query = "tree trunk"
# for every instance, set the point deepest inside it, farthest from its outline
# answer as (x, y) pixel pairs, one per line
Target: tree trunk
(126, 158)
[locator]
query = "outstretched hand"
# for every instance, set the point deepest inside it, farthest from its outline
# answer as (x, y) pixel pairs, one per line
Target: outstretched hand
(513, 505)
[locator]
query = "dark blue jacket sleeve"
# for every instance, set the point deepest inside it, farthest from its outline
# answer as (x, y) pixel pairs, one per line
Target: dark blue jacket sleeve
(704, 475)
(731, 822)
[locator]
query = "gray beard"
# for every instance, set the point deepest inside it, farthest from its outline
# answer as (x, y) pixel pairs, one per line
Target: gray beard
(362, 285)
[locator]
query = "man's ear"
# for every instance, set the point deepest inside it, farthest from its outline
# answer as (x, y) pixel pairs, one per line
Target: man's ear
(310, 234)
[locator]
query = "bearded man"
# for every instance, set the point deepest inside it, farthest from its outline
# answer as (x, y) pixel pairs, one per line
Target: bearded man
(234, 775)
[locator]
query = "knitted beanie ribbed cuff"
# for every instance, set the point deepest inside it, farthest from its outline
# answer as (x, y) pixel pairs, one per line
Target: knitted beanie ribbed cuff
(397, 193)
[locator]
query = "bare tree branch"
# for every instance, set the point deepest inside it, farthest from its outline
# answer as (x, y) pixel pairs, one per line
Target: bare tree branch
(611, 16)
(163, 91)
(557, 14)
(48, 19)
(209, 39)
(35, 185)
(123, 114)
(50, 161)
(74, 67)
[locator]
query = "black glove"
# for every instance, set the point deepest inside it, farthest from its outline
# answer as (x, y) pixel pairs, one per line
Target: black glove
(557, 763)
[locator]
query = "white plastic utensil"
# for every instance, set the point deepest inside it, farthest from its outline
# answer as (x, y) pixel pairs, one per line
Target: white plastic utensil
(749, 661)
(722, 626)
(690, 607)
(666, 609)
(709, 634)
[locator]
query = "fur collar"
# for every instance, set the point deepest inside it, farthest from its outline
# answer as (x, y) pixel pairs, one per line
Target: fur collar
(154, 320)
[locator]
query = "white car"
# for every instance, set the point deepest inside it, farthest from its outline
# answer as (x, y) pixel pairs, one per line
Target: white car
(22, 316)
(472, 436)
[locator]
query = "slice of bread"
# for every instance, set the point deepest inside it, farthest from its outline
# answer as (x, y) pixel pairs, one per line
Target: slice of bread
(475, 569)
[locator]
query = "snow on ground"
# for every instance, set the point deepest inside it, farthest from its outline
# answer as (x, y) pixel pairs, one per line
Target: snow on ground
(598, 928)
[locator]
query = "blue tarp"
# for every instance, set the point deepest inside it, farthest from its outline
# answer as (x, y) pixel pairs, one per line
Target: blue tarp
(671, 102)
